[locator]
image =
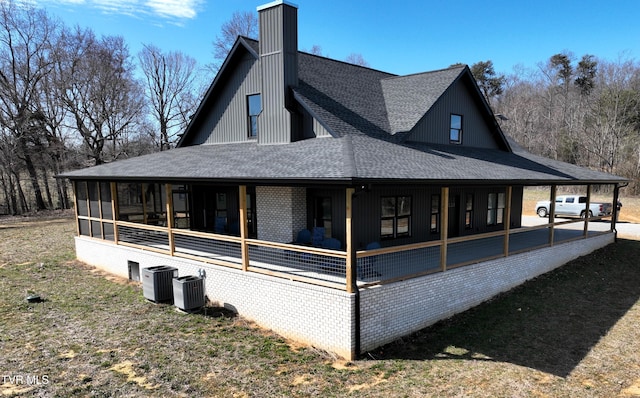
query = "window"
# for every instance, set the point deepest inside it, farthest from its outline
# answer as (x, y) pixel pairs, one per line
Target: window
(468, 212)
(455, 130)
(254, 105)
(323, 215)
(435, 214)
(395, 220)
(495, 208)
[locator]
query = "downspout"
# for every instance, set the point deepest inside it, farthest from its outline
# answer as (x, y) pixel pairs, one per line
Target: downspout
(356, 325)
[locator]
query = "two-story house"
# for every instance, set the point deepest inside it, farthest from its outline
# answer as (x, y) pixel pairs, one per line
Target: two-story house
(338, 205)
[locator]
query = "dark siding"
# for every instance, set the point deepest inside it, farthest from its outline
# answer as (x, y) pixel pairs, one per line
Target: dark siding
(338, 211)
(434, 127)
(279, 59)
(367, 212)
(204, 203)
(227, 120)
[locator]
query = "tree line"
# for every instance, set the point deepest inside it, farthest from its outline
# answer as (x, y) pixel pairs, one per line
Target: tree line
(584, 111)
(70, 99)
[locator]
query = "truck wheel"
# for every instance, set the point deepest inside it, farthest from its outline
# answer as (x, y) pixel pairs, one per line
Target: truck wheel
(583, 212)
(542, 212)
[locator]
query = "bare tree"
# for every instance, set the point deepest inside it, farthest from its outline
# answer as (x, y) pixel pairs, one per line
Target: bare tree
(99, 91)
(316, 50)
(169, 89)
(241, 24)
(356, 59)
(26, 37)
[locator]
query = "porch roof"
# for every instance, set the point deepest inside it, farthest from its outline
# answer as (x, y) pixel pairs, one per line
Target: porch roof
(347, 160)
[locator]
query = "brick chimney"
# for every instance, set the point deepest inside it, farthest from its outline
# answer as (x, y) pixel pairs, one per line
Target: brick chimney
(279, 67)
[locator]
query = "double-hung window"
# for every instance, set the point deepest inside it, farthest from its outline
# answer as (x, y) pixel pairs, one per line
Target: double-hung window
(455, 129)
(435, 214)
(254, 107)
(468, 212)
(495, 208)
(395, 219)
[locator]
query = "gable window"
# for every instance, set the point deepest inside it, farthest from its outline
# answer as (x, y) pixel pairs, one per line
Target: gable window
(395, 219)
(468, 212)
(435, 214)
(495, 208)
(254, 107)
(455, 129)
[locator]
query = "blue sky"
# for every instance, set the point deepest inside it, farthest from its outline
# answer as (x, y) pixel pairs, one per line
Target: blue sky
(395, 36)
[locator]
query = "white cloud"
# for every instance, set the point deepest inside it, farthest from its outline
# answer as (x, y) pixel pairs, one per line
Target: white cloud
(174, 10)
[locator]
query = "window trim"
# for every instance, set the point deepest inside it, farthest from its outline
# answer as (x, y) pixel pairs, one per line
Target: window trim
(250, 117)
(456, 129)
(435, 214)
(396, 218)
(468, 211)
(496, 209)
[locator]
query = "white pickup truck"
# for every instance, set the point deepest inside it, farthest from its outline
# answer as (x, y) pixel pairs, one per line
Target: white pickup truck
(574, 205)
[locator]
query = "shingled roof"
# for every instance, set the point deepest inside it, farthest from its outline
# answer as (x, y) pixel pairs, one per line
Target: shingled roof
(368, 114)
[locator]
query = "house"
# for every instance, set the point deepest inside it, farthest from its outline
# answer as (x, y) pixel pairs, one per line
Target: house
(338, 205)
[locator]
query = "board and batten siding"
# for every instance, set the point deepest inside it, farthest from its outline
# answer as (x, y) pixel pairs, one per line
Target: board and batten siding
(457, 99)
(227, 120)
(367, 212)
(279, 60)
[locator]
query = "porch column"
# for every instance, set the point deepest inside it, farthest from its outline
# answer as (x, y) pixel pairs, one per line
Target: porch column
(168, 193)
(616, 197)
(244, 248)
(75, 205)
(351, 260)
(507, 220)
(552, 213)
(444, 226)
(586, 211)
(114, 210)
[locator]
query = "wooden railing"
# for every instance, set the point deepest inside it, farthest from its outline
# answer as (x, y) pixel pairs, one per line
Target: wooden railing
(328, 268)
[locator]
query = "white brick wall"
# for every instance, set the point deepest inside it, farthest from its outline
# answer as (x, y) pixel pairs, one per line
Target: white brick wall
(318, 316)
(281, 212)
(325, 318)
(391, 311)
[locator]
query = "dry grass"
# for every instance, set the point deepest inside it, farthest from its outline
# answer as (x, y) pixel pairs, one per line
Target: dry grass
(570, 333)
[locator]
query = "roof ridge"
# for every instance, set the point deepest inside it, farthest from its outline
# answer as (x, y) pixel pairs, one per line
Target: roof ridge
(346, 63)
(461, 67)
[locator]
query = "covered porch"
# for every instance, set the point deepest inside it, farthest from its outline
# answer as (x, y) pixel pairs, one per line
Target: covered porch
(164, 225)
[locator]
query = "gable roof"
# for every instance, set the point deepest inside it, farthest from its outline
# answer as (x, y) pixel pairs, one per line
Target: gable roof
(407, 97)
(368, 113)
(243, 45)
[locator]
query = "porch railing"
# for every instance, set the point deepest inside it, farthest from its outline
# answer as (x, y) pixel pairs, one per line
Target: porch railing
(329, 267)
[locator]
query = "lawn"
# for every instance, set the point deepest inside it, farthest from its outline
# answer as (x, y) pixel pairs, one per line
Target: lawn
(570, 333)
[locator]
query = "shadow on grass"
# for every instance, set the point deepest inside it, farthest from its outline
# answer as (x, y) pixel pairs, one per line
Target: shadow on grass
(550, 323)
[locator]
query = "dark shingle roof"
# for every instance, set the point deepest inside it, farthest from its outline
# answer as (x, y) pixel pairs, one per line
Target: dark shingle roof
(408, 97)
(367, 113)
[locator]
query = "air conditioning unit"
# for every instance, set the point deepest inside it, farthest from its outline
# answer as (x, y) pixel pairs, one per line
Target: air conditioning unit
(156, 282)
(188, 292)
